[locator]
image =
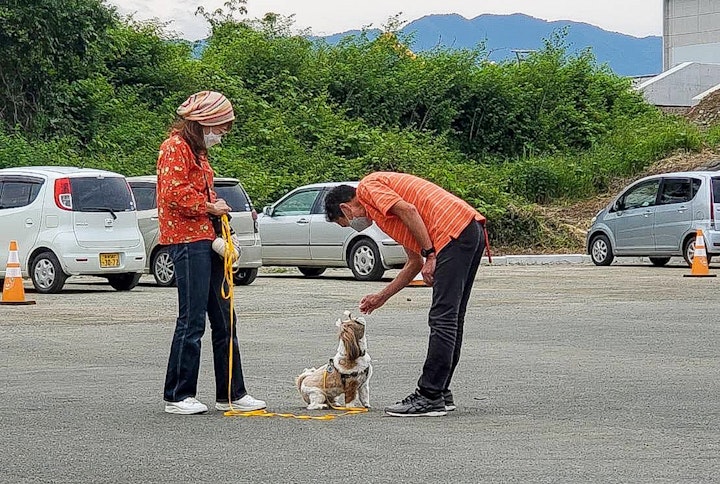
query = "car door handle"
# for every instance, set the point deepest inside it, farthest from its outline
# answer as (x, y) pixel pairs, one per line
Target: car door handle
(29, 222)
(303, 221)
(647, 213)
(682, 209)
(154, 218)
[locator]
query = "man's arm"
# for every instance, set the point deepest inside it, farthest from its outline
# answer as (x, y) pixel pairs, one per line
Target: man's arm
(409, 215)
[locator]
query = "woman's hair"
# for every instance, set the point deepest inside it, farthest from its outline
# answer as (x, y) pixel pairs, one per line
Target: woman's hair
(192, 133)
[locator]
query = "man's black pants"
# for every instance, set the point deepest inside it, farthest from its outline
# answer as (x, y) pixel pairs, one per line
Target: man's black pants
(455, 269)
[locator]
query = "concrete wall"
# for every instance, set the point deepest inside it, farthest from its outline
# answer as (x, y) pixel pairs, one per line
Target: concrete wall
(691, 32)
(678, 86)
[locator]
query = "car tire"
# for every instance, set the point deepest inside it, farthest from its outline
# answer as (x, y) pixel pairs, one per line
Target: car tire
(162, 268)
(659, 261)
(47, 274)
(365, 262)
(311, 271)
(601, 251)
(689, 250)
(124, 282)
(244, 277)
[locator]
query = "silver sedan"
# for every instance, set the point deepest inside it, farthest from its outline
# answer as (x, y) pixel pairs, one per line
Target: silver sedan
(294, 232)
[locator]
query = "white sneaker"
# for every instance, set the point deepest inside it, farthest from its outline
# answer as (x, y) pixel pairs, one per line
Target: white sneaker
(189, 406)
(244, 404)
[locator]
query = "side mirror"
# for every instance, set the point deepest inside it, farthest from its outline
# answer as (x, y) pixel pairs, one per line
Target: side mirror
(267, 210)
(617, 206)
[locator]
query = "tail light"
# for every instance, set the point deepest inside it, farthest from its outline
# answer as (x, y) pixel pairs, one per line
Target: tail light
(255, 222)
(712, 202)
(63, 194)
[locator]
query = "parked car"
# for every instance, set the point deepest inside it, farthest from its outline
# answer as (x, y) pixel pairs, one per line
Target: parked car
(294, 232)
(243, 221)
(658, 217)
(70, 221)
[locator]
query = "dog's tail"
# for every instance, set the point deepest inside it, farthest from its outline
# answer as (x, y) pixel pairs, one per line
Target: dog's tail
(299, 380)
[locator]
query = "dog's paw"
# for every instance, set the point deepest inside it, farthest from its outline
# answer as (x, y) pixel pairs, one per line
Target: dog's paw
(317, 406)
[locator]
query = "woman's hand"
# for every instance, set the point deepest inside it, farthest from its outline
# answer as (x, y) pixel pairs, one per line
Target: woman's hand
(220, 207)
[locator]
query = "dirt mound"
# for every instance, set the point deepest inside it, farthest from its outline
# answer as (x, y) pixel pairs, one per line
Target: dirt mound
(577, 216)
(707, 112)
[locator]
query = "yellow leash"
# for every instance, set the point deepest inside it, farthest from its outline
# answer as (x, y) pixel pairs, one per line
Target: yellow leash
(228, 283)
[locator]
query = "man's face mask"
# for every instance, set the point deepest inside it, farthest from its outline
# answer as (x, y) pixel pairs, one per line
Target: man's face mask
(211, 139)
(360, 223)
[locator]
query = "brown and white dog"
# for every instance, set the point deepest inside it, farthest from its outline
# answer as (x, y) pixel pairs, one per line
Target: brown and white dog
(345, 379)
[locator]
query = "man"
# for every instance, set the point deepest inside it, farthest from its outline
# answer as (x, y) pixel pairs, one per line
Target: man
(434, 225)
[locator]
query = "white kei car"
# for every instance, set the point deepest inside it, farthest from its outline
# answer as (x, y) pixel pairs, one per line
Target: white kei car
(70, 221)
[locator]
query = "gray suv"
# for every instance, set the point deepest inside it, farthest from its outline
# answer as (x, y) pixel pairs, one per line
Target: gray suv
(658, 217)
(243, 221)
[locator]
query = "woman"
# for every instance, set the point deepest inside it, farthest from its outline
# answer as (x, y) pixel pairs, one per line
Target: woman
(185, 203)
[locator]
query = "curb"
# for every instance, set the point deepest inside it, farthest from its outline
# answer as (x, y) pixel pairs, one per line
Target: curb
(510, 260)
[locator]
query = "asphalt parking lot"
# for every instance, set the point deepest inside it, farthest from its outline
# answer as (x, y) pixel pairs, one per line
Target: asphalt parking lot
(570, 373)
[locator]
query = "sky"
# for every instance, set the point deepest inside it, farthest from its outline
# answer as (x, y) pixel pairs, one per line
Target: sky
(634, 17)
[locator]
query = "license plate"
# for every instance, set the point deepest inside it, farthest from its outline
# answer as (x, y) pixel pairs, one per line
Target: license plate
(109, 260)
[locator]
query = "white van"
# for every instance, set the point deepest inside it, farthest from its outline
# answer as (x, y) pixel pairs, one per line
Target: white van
(243, 221)
(70, 221)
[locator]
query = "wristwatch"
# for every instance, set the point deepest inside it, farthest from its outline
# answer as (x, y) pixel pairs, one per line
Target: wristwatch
(427, 252)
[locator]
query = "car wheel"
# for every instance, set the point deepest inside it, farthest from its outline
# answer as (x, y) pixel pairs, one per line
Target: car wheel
(244, 277)
(600, 251)
(124, 282)
(46, 274)
(163, 269)
(365, 262)
(689, 251)
(311, 271)
(659, 261)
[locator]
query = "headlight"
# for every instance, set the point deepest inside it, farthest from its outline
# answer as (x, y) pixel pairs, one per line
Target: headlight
(593, 220)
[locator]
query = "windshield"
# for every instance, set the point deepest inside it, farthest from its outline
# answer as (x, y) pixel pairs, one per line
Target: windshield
(101, 194)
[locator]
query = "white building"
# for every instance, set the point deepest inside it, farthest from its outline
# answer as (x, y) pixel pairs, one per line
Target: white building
(691, 32)
(691, 55)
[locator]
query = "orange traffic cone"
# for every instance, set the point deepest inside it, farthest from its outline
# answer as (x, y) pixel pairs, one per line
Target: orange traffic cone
(700, 263)
(13, 290)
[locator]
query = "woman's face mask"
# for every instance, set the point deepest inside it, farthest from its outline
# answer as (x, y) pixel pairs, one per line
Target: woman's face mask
(211, 139)
(360, 223)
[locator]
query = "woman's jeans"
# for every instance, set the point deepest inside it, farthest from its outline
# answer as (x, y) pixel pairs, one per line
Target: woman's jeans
(199, 275)
(455, 269)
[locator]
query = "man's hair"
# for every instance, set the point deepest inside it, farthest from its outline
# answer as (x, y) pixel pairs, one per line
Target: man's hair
(336, 196)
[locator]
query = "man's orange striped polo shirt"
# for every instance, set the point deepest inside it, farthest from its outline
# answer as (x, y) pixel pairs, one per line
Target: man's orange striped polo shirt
(444, 214)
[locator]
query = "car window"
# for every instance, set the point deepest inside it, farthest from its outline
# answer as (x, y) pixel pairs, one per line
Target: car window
(300, 203)
(145, 197)
(678, 190)
(716, 190)
(642, 195)
(319, 206)
(15, 194)
(93, 194)
(235, 196)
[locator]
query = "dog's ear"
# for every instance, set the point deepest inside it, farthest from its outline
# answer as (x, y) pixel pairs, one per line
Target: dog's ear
(360, 320)
(338, 323)
(348, 314)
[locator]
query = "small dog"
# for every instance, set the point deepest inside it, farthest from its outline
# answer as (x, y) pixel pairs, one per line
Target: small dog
(345, 379)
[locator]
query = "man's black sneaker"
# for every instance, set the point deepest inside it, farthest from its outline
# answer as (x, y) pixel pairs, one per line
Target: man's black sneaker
(416, 405)
(449, 402)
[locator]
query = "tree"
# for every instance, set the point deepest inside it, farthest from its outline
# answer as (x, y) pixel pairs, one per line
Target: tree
(46, 44)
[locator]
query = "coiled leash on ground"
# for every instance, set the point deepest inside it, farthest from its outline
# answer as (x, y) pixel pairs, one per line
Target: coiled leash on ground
(227, 291)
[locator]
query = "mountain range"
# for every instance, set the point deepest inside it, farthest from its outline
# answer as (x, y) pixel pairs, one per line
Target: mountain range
(503, 34)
